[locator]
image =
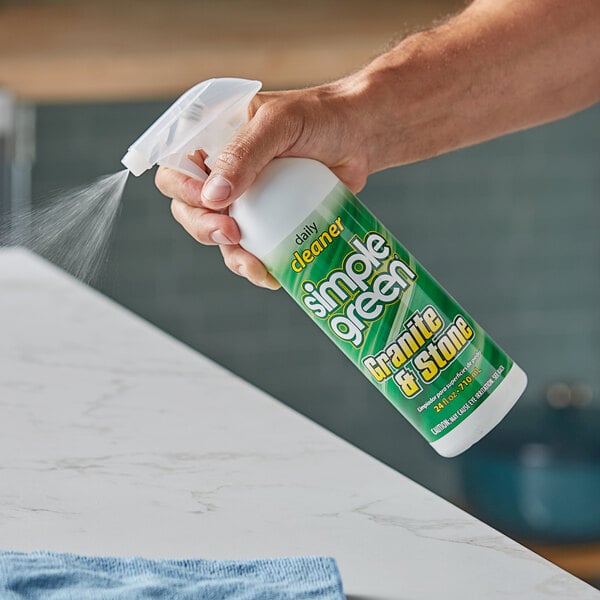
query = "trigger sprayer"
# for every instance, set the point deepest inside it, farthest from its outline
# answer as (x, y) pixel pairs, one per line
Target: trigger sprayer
(206, 116)
(353, 278)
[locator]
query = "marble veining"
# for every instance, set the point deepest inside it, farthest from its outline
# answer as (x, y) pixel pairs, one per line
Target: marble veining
(117, 439)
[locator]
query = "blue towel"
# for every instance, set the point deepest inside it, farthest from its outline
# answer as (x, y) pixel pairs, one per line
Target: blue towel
(54, 576)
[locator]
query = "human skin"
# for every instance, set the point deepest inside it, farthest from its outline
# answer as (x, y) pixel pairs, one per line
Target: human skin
(499, 66)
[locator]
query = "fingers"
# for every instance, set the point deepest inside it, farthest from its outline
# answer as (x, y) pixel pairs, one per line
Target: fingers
(265, 136)
(211, 228)
(174, 184)
(247, 265)
(206, 226)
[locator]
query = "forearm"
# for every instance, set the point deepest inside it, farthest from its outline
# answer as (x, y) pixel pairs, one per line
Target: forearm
(500, 66)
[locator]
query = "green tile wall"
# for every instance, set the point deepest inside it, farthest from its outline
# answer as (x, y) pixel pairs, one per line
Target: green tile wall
(510, 227)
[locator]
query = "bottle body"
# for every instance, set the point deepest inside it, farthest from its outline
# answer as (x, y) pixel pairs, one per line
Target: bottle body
(413, 341)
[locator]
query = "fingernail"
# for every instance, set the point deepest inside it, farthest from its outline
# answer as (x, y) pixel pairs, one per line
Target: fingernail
(216, 189)
(266, 283)
(218, 237)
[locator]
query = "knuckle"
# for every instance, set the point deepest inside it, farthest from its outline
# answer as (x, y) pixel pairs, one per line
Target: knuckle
(230, 263)
(235, 153)
(270, 111)
(175, 209)
(189, 192)
(232, 260)
(160, 179)
(283, 119)
(198, 226)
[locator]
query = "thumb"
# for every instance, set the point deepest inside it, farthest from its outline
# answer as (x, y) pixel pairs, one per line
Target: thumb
(262, 139)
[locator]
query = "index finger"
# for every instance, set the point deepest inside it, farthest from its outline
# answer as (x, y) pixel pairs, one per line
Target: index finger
(174, 184)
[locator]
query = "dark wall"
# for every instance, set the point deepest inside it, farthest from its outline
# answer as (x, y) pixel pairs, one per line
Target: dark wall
(510, 227)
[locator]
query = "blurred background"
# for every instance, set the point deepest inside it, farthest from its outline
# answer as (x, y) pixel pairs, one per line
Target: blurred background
(80, 80)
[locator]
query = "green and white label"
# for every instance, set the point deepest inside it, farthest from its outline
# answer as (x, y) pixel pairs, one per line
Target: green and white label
(389, 316)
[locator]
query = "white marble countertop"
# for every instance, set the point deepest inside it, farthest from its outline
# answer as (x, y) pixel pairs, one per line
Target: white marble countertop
(117, 439)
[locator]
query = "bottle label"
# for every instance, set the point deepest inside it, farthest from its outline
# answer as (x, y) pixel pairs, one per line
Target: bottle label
(388, 315)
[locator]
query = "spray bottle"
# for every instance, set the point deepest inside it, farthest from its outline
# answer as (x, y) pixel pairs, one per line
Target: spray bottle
(406, 334)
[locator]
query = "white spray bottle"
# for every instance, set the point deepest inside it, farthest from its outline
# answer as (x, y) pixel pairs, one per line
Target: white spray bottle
(432, 361)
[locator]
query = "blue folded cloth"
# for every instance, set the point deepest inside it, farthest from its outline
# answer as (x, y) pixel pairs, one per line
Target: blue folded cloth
(55, 576)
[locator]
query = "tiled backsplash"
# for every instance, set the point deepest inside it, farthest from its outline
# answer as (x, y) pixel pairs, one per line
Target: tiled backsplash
(510, 227)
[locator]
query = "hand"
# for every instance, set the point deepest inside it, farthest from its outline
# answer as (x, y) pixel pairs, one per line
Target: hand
(320, 123)
(490, 70)
(208, 226)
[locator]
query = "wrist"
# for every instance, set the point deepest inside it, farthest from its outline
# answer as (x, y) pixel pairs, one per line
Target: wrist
(417, 100)
(400, 102)
(417, 87)
(363, 103)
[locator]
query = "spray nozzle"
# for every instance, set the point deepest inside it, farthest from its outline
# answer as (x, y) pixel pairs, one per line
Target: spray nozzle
(205, 117)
